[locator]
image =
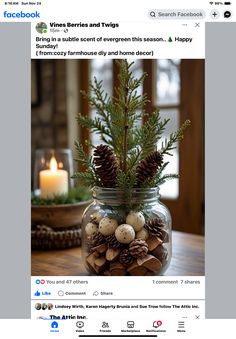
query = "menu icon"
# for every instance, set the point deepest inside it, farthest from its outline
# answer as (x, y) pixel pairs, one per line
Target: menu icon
(181, 325)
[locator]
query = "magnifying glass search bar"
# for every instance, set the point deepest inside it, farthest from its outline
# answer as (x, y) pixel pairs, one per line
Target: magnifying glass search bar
(176, 14)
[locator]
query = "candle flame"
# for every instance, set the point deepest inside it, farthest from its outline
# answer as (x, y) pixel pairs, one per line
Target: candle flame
(53, 165)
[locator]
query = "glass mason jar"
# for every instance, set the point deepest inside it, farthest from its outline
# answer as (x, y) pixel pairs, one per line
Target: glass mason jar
(126, 233)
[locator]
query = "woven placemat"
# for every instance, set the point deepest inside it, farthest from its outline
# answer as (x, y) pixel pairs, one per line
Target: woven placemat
(46, 238)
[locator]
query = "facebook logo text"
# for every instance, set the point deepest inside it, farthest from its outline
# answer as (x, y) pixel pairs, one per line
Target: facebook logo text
(21, 14)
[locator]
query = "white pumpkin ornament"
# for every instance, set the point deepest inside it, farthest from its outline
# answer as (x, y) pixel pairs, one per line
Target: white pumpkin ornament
(142, 234)
(135, 219)
(107, 226)
(125, 234)
(96, 216)
(91, 229)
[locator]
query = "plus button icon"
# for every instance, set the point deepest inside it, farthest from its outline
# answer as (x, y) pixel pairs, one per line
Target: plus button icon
(215, 14)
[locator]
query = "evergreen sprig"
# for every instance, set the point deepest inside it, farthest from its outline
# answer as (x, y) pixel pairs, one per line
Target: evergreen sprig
(83, 157)
(74, 196)
(170, 144)
(148, 135)
(117, 121)
(88, 177)
(165, 178)
(126, 180)
(160, 178)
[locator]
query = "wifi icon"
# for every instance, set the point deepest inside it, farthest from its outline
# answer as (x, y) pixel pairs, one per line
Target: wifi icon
(211, 3)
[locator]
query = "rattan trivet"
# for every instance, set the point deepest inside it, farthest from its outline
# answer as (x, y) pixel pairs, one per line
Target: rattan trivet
(46, 238)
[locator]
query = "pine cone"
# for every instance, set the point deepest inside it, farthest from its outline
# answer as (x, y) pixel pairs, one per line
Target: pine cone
(155, 227)
(126, 258)
(94, 220)
(148, 167)
(105, 165)
(97, 239)
(138, 248)
(112, 242)
(89, 245)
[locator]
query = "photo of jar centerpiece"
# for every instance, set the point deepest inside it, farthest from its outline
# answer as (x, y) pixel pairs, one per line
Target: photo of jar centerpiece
(126, 230)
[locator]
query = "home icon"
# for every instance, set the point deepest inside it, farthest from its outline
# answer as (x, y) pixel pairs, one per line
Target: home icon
(54, 324)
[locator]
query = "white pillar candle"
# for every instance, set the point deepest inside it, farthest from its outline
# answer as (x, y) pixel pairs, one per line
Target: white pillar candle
(53, 181)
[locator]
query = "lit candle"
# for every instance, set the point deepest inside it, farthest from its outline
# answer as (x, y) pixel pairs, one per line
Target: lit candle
(53, 181)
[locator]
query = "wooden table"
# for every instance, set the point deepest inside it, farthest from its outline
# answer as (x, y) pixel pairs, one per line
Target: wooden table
(187, 259)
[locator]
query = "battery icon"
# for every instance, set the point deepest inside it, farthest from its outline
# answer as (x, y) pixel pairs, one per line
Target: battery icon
(227, 3)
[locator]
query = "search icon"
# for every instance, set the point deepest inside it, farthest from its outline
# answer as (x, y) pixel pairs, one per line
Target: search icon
(152, 14)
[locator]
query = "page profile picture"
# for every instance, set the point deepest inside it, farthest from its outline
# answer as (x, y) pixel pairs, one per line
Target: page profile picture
(41, 27)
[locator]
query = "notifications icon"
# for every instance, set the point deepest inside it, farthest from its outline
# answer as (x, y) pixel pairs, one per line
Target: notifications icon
(157, 323)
